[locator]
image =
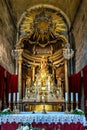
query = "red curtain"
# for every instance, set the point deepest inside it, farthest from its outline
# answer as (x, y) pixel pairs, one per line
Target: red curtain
(78, 84)
(2, 70)
(14, 81)
(72, 84)
(9, 82)
(85, 81)
(75, 84)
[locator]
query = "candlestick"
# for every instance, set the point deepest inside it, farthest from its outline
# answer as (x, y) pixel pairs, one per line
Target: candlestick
(14, 95)
(17, 96)
(71, 97)
(66, 102)
(66, 96)
(76, 97)
(9, 100)
(66, 107)
(71, 107)
(9, 97)
(71, 102)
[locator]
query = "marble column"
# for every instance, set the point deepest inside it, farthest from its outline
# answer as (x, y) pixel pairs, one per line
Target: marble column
(16, 67)
(66, 77)
(20, 51)
(15, 54)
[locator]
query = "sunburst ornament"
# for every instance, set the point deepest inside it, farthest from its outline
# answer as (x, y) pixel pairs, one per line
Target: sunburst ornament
(42, 27)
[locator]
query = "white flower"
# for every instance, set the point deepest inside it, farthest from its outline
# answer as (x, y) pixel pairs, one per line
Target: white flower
(25, 128)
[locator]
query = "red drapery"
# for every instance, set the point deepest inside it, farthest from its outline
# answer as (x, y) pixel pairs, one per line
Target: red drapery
(52, 126)
(2, 70)
(12, 84)
(14, 81)
(85, 81)
(78, 85)
(72, 84)
(9, 82)
(75, 84)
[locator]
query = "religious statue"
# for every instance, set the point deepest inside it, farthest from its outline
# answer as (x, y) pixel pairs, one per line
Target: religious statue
(59, 86)
(28, 81)
(43, 77)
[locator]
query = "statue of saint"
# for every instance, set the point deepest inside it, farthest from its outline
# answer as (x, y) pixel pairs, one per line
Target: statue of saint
(28, 81)
(43, 63)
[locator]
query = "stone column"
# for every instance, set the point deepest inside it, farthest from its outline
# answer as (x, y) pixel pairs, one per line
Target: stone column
(20, 51)
(16, 67)
(66, 77)
(14, 54)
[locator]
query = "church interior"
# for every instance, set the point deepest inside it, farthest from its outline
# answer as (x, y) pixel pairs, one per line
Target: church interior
(43, 56)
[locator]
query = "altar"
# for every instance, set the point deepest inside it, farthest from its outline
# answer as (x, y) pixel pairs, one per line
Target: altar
(42, 89)
(48, 121)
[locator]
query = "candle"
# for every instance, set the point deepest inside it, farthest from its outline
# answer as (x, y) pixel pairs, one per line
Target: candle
(17, 96)
(14, 95)
(76, 97)
(66, 96)
(9, 97)
(71, 97)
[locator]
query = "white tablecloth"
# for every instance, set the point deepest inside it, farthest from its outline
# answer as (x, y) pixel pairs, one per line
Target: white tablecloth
(50, 117)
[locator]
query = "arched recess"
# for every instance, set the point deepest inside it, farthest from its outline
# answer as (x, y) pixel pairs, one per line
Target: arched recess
(30, 13)
(42, 31)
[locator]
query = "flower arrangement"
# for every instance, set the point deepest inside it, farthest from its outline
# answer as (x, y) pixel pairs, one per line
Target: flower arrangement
(6, 111)
(78, 111)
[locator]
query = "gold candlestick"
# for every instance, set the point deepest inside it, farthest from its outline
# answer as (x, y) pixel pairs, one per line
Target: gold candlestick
(66, 105)
(18, 108)
(71, 107)
(77, 105)
(9, 105)
(44, 110)
(33, 108)
(14, 107)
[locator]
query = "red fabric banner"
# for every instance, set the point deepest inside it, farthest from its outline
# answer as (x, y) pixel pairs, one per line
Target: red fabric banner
(75, 84)
(9, 82)
(2, 70)
(14, 80)
(85, 81)
(12, 83)
(78, 85)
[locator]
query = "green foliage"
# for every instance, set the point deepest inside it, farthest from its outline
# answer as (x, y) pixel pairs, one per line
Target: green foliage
(78, 111)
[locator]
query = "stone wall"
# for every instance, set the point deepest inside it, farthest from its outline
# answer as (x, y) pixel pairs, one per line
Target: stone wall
(80, 35)
(7, 38)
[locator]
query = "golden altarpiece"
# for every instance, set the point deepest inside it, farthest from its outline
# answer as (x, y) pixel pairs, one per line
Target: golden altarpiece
(40, 64)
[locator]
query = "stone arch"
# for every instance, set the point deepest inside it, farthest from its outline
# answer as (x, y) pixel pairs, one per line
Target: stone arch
(43, 6)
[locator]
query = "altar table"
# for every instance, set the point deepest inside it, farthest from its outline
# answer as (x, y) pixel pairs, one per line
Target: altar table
(49, 121)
